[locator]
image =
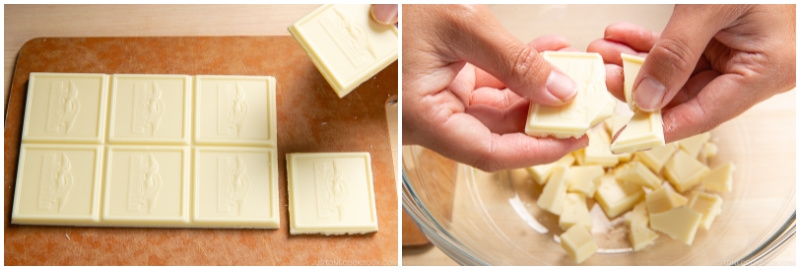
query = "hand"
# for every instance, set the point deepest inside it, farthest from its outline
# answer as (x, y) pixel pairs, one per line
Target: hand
(711, 63)
(384, 14)
(457, 63)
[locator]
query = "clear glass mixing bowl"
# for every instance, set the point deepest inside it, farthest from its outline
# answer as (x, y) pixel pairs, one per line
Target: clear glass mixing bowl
(480, 218)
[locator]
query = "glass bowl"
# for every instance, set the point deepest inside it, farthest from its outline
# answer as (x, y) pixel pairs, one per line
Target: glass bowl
(480, 218)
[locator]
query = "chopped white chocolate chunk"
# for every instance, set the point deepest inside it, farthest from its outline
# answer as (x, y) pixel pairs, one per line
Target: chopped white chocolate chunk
(597, 152)
(639, 234)
(584, 179)
(540, 173)
(591, 105)
(720, 178)
(554, 192)
(638, 214)
(617, 197)
(657, 157)
(684, 171)
(694, 144)
(575, 212)
(644, 131)
(709, 150)
(679, 223)
(710, 205)
(664, 199)
(630, 68)
(636, 173)
(578, 243)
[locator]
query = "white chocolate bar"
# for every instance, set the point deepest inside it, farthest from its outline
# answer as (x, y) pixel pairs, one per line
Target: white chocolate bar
(345, 44)
(591, 105)
(65, 108)
(331, 193)
(145, 169)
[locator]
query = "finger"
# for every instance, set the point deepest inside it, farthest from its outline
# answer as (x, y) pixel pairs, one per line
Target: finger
(611, 51)
(484, 79)
(549, 43)
(494, 97)
(480, 39)
(693, 86)
(543, 43)
(675, 55)
(501, 120)
(720, 100)
(635, 37)
(491, 152)
(615, 81)
(384, 14)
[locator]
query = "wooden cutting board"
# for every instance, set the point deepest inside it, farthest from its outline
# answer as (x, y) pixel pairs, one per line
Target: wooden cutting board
(311, 118)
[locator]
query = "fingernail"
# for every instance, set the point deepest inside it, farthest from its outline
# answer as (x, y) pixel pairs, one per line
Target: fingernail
(649, 94)
(385, 14)
(561, 86)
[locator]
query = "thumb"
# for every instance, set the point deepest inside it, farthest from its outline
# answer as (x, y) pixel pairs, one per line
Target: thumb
(481, 40)
(384, 13)
(674, 56)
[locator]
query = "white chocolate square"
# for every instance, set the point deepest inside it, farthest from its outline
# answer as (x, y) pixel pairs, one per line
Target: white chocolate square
(554, 192)
(616, 197)
(656, 157)
(65, 107)
(636, 173)
(146, 186)
(236, 187)
(707, 204)
(679, 223)
(58, 184)
(720, 178)
(684, 171)
(694, 144)
(235, 110)
(575, 212)
(331, 193)
(591, 105)
(644, 131)
(577, 241)
(345, 44)
(150, 109)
